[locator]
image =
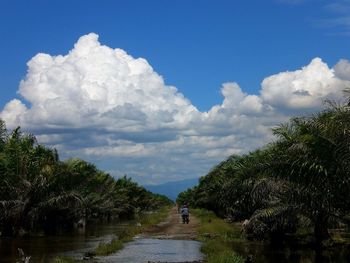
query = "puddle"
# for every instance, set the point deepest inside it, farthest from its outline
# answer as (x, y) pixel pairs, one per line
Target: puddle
(148, 249)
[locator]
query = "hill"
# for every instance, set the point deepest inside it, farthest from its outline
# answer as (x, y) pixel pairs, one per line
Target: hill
(172, 189)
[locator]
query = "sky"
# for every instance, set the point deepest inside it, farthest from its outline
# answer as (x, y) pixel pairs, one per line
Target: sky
(163, 90)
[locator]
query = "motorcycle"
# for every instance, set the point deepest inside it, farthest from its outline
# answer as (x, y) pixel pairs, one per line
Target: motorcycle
(185, 219)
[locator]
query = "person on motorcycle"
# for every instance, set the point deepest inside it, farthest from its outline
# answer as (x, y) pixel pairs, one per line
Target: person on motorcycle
(185, 214)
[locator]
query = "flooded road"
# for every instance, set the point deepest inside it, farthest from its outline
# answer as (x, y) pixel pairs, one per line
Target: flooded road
(75, 244)
(148, 249)
(158, 243)
(170, 241)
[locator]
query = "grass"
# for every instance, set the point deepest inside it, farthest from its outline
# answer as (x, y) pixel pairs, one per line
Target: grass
(225, 257)
(105, 249)
(116, 244)
(64, 260)
(217, 235)
(154, 217)
(210, 223)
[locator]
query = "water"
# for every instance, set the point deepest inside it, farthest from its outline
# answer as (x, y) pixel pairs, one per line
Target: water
(147, 249)
(263, 253)
(44, 249)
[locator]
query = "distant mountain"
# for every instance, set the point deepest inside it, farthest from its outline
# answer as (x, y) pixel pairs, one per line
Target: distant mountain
(172, 189)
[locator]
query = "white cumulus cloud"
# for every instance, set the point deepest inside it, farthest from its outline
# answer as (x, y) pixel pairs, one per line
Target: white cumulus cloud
(95, 85)
(342, 69)
(103, 105)
(303, 89)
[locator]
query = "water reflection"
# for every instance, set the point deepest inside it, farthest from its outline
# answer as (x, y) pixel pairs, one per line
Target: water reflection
(263, 253)
(143, 250)
(43, 249)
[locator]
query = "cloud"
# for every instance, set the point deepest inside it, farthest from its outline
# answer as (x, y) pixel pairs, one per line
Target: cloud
(341, 7)
(338, 20)
(105, 106)
(293, 2)
(235, 99)
(12, 112)
(342, 70)
(303, 89)
(95, 85)
(335, 22)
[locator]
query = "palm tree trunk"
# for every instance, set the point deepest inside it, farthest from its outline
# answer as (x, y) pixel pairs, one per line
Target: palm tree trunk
(321, 231)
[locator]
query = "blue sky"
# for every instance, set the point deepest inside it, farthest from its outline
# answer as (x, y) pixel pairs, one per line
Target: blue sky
(195, 46)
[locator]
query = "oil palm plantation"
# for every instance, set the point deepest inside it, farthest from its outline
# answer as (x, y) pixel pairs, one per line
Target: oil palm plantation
(38, 192)
(313, 156)
(303, 178)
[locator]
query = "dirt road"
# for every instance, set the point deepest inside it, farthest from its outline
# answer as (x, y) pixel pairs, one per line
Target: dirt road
(173, 228)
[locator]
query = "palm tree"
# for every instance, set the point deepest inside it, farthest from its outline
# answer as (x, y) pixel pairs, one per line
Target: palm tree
(39, 192)
(313, 156)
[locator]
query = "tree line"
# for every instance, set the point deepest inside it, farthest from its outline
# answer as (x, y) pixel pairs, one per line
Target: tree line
(301, 180)
(39, 193)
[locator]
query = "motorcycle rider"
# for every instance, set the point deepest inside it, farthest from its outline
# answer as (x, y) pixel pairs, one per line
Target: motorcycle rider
(185, 214)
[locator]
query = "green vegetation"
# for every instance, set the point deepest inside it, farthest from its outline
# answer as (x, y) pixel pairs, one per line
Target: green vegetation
(40, 193)
(226, 256)
(217, 236)
(211, 224)
(105, 249)
(64, 260)
(154, 217)
(293, 187)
